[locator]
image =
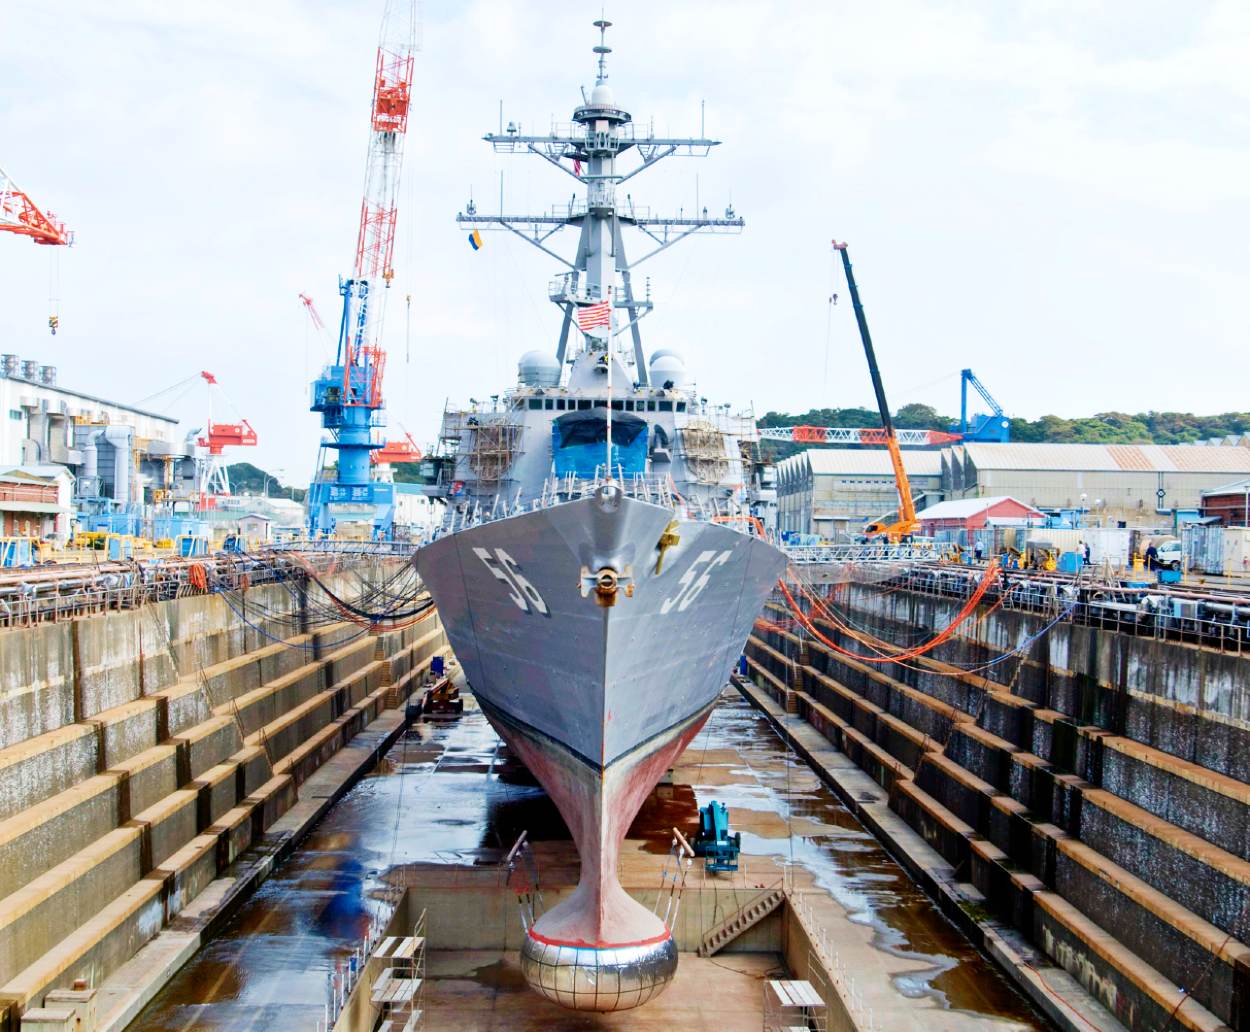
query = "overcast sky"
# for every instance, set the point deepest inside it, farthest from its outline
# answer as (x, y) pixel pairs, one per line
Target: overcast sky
(1055, 193)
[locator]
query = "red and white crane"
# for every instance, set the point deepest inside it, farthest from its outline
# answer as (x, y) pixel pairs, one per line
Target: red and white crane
(20, 215)
(379, 209)
(348, 394)
(217, 437)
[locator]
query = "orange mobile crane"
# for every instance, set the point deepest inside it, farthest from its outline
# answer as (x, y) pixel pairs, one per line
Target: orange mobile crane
(906, 524)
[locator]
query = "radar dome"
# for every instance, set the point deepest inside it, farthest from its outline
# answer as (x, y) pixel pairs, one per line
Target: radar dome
(666, 369)
(538, 369)
(667, 353)
(601, 96)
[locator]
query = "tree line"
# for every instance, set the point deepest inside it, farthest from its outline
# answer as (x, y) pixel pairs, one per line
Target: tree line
(1101, 428)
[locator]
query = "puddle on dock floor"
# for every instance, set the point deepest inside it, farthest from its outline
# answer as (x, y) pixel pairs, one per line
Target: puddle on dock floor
(773, 793)
(447, 792)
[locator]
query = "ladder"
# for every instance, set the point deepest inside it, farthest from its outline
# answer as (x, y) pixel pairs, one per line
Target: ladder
(744, 918)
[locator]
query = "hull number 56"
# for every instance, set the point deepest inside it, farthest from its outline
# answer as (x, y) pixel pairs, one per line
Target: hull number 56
(695, 579)
(521, 591)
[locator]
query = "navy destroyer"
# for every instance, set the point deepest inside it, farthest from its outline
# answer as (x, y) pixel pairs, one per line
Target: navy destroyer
(600, 565)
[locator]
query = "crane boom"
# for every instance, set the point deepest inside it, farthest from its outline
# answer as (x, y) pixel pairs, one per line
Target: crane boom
(869, 435)
(906, 523)
(348, 394)
(20, 215)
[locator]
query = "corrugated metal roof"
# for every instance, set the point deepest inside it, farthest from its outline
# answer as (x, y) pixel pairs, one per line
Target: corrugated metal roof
(1236, 487)
(872, 462)
(36, 472)
(9, 505)
(1110, 458)
(962, 508)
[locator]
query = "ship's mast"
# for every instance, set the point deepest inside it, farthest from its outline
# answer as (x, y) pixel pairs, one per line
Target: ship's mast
(587, 149)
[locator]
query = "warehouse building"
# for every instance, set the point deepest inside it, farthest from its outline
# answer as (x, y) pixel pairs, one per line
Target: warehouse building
(835, 491)
(1130, 482)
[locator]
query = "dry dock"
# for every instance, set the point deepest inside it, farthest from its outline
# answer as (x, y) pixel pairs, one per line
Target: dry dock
(210, 801)
(441, 809)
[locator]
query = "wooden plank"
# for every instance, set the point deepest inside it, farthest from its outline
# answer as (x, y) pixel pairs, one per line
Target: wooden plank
(408, 947)
(397, 990)
(804, 995)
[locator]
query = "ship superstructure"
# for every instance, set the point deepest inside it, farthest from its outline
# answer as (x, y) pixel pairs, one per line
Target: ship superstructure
(600, 566)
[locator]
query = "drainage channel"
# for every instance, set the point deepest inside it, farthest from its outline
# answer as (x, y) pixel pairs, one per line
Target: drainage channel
(442, 796)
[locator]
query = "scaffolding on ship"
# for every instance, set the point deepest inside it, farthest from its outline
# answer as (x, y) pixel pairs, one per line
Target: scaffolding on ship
(491, 448)
(703, 446)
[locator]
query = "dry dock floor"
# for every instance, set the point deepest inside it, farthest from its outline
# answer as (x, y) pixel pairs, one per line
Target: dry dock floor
(447, 801)
(479, 991)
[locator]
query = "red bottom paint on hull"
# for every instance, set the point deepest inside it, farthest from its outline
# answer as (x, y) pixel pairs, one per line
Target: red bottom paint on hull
(599, 949)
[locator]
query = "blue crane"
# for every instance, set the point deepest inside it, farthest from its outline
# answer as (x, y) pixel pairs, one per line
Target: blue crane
(348, 394)
(981, 427)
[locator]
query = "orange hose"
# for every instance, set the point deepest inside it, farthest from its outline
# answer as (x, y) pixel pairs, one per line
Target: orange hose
(197, 577)
(991, 573)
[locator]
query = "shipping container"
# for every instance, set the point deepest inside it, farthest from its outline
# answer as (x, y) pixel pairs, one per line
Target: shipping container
(1107, 545)
(1204, 548)
(1236, 551)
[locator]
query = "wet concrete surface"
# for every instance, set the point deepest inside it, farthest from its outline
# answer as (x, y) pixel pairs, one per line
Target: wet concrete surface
(447, 793)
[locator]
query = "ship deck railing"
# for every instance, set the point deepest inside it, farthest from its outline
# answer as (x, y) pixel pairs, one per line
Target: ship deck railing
(657, 489)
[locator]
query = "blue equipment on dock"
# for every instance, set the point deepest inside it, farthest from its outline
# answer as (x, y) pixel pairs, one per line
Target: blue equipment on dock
(714, 843)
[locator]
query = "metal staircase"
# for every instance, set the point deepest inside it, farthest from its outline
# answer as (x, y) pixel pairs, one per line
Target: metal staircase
(745, 917)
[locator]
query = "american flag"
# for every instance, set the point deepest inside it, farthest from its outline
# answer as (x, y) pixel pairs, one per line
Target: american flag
(598, 314)
(577, 166)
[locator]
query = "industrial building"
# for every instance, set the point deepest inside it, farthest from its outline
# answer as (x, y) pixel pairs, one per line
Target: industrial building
(118, 453)
(833, 491)
(969, 514)
(36, 501)
(1135, 483)
(1228, 504)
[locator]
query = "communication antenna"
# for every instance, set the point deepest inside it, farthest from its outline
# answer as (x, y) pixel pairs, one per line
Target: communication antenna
(603, 50)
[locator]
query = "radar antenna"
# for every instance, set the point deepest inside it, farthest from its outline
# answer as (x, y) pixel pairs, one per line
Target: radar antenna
(603, 50)
(587, 149)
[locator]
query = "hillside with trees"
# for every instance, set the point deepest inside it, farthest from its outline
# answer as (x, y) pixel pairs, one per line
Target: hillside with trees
(248, 479)
(1101, 428)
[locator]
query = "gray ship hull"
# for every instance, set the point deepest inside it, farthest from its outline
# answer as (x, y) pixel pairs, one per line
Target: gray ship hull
(597, 635)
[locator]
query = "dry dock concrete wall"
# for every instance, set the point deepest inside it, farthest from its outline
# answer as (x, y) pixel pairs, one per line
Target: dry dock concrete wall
(1094, 787)
(142, 751)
